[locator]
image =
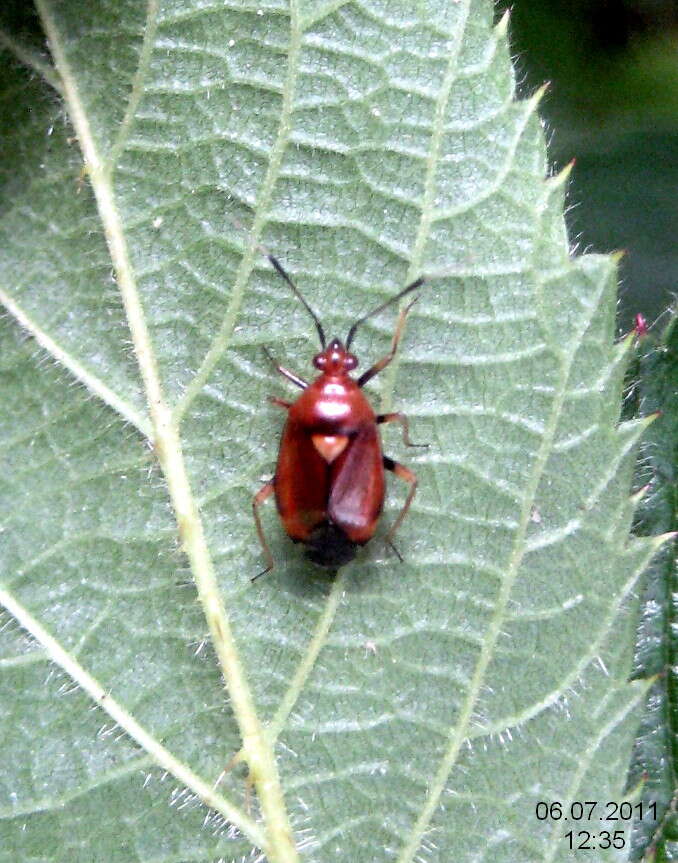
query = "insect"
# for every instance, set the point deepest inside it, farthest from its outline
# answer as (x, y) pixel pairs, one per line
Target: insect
(329, 480)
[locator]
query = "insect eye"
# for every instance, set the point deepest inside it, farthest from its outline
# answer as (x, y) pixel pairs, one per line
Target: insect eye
(320, 361)
(350, 362)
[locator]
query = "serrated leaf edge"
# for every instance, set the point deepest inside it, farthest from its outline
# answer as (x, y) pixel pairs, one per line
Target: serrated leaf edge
(584, 760)
(460, 733)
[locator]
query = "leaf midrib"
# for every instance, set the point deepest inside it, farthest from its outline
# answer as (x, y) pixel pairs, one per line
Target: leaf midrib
(278, 843)
(242, 279)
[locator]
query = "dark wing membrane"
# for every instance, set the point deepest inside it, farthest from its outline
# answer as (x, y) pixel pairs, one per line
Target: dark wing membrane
(357, 485)
(301, 482)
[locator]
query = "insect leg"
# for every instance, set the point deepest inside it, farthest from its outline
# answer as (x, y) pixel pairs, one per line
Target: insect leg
(384, 361)
(249, 782)
(409, 476)
(237, 758)
(402, 419)
(263, 494)
(281, 403)
(286, 373)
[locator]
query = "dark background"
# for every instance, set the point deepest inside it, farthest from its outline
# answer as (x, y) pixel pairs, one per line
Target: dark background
(613, 106)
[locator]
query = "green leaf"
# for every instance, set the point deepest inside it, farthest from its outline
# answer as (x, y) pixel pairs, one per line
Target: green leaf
(655, 757)
(416, 711)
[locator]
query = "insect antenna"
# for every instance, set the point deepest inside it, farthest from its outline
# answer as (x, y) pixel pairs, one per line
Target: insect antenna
(278, 266)
(351, 333)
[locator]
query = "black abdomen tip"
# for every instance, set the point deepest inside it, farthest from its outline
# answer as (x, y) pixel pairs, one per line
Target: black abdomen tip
(329, 546)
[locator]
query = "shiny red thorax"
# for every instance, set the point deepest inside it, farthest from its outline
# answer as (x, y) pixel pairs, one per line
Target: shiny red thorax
(330, 472)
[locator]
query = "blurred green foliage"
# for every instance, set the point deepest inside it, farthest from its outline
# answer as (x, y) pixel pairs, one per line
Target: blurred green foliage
(654, 373)
(612, 106)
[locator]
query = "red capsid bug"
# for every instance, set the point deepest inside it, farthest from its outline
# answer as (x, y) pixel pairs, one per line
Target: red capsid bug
(329, 480)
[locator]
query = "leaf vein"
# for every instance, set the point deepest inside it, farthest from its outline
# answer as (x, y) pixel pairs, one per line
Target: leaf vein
(277, 843)
(127, 722)
(93, 383)
(583, 761)
(31, 60)
(136, 92)
(45, 804)
(221, 341)
(507, 723)
(459, 733)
